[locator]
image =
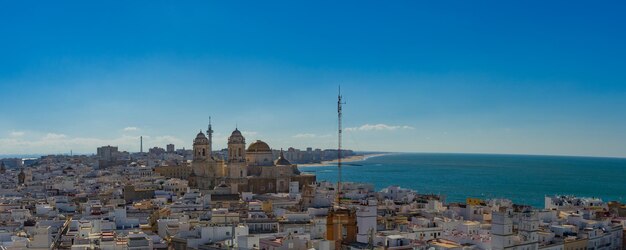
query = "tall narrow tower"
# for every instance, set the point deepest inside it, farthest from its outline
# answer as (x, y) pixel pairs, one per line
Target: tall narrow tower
(236, 147)
(209, 133)
(339, 130)
(200, 147)
(501, 231)
(140, 144)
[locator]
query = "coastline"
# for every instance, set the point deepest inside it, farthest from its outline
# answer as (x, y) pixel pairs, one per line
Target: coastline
(354, 158)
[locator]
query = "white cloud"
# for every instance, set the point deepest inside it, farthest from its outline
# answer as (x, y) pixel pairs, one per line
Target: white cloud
(249, 133)
(378, 127)
(17, 133)
(304, 136)
(131, 129)
(53, 136)
(309, 135)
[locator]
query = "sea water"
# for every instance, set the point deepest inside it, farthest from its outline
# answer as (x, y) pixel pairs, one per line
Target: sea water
(524, 179)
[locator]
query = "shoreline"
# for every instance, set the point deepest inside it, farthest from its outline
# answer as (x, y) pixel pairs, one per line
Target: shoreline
(354, 158)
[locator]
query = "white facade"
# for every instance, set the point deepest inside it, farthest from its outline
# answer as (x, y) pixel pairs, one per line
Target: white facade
(501, 231)
(366, 220)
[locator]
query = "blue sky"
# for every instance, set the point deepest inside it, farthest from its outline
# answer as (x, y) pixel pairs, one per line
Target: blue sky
(527, 77)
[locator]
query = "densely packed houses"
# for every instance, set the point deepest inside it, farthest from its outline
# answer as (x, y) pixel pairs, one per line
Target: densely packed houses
(250, 199)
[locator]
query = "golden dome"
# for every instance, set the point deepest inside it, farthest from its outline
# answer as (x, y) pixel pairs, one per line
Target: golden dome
(259, 146)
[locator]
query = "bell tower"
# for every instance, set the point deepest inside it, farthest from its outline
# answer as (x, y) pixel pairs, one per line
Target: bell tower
(201, 148)
(237, 167)
(236, 147)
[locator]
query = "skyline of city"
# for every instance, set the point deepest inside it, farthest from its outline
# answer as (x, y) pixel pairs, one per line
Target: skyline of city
(285, 125)
(506, 78)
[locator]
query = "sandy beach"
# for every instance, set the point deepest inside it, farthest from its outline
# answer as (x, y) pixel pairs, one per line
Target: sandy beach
(354, 158)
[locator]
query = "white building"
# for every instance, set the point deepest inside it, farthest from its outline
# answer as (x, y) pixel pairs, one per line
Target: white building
(366, 220)
(210, 234)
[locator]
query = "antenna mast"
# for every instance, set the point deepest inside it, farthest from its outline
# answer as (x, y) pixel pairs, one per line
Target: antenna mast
(209, 132)
(339, 114)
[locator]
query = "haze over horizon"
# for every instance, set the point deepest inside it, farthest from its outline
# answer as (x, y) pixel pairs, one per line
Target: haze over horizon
(488, 77)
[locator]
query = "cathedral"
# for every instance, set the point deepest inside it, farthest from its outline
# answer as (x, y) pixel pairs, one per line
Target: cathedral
(244, 170)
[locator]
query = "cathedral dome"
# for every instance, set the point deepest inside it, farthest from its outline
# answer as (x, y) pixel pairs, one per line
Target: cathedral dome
(201, 139)
(259, 146)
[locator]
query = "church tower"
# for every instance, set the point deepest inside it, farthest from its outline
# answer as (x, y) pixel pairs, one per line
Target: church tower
(236, 147)
(201, 147)
(202, 176)
(237, 167)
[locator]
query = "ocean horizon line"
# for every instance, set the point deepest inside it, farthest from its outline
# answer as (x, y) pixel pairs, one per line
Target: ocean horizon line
(499, 154)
